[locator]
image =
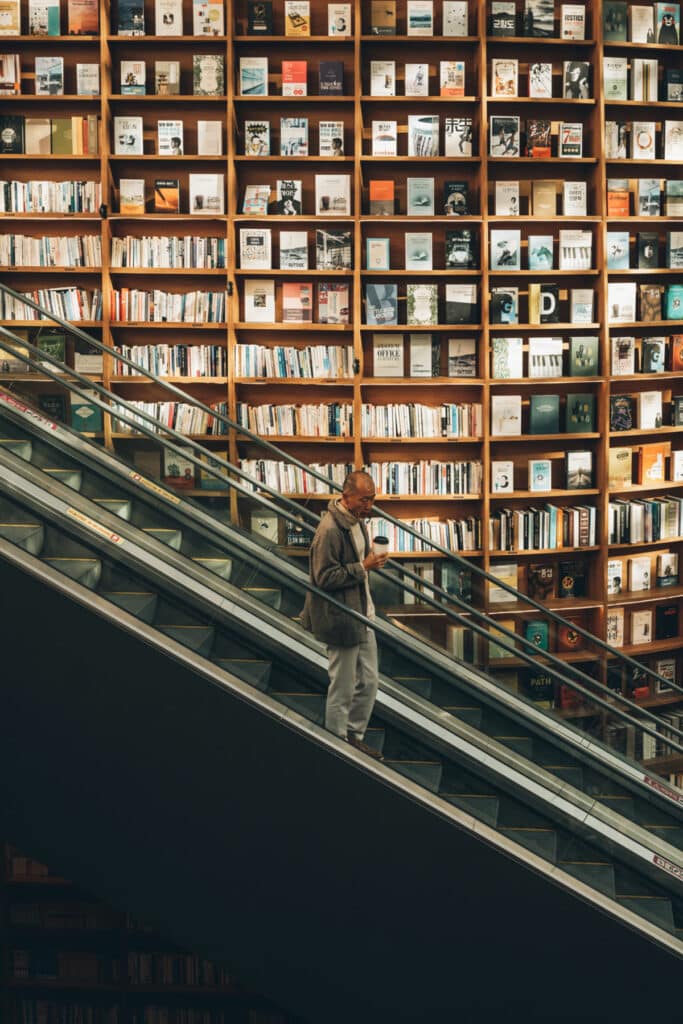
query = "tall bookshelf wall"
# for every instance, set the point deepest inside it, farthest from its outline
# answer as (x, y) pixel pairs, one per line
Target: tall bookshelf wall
(357, 108)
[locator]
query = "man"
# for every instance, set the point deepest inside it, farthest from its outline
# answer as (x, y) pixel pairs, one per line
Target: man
(341, 559)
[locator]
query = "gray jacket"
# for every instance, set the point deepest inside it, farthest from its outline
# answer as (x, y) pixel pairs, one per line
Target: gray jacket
(335, 568)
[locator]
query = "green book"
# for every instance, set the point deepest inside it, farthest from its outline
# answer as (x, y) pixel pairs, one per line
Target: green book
(53, 345)
(580, 414)
(544, 414)
(583, 356)
(62, 136)
(536, 632)
(85, 415)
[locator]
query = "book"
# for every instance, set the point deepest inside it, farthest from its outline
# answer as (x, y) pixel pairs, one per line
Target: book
(506, 202)
(167, 195)
(544, 303)
(423, 135)
(614, 21)
(570, 139)
(504, 74)
(545, 357)
(255, 248)
(540, 80)
(615, 576)
(641, 23)
(571, 580)
(460, 249)
(618, 197)
(673, 302)
(293, 136)
(166, 77)
(666, 621)
(568, 638)
(49, 76)
(333, 249)
(87, 79)
(209, 138)
(418, 250)
(259, 17)
(331, 78)
(672, 86)
(502, 476)
(544, 414)
(259, 301)
(207, 193)
(207, 18)
(538, 18)
(579, 470)
(294, 77)
(540, 580)
(574, 198)
(650, 302)
(652, 462)
(53, 344)
(543, 198)
(381, 304)
(504, 139)
(644, 80)
(643, 135)
(208, 74)
(649, 404)
(382, 77)
(540, 252)
(384, 138)
(616, 138)
(506, 358)
(504, 249)
(422, 304)
(576, 83)
(421, 356)
(461, 303)
(289, 197)
(169, 138)
(674, 249)
(128, 136)
(339, 19)
(43, 18)
(419, 17)
(458, 136)
(456, 198)
(575, 249)
(462, 357)
(506, 416)
(503, 21)
(333, 195)
(668, 23)
(256, 200)
(583, 356)
(538, 135)
(331, 138)
(572, 21)
(641, 626)
(673, 140)
(503, 306)
(622, 413)
(667, 570)
(253, 76)
(454, 18)
(132, 196)
(580, 413)
(621, 301)
(297, 18)
(168, 17)
(333, 302)
(614, 631)
(673, 202)
(387, 355)
(540, 475)
(82, 17)
(86, 415)
(294, 250)
(381, 198)
(617, 250)
(38, 135)
(257, 138)
(505, 573)
(383, 17)
(581, 305)
(131, 20)
(615, 77)
(416, 79)
(537, 632)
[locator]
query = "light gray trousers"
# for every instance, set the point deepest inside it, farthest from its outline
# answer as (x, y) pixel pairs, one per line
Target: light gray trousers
(353, 687)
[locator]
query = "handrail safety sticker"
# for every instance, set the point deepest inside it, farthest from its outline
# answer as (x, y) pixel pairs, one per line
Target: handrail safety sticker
(96, 527)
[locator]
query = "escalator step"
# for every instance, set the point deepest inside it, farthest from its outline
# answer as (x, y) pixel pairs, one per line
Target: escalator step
(251, 670)
(86, 571)
(139, 603)
(120, 507)
(166, 535)
(19, 447)
(375, 738)
(28, 536)
(621, 804)
(656, 909)
(426, 773)
(523, 745)
(69, 477)
(567, 772)
(220, 566)
(597, 874)
(482, 806)
(310, 705)
(268, 595)
(197, 638)
(672, 834)
(542, 841)
(420, 685)
(471, 716)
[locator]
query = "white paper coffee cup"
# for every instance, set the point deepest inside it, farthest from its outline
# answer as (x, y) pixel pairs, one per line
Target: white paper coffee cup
(380, 545)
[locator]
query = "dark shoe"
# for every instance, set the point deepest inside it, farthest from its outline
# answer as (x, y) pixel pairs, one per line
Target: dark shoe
(365, 749)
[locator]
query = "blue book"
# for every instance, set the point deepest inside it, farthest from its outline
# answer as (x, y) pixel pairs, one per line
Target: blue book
(617, 250)
(673, 309)
(381, 304)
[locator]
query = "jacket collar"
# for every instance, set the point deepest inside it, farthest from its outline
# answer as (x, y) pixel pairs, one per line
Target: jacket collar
(341, 516)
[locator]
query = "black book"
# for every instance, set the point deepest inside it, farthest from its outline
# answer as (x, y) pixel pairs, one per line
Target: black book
(539, 18)
(456, 201)
(550, 303)
(622, 412)
(331, 78)
(54, 407)
(666, 621)
(571, 581)
(460, 249)
(672, 85)
(259, 18)
(503, 18)
(653, 355)
(614, 21)
(648, 244)
(538, 687)
(11, 134)
(538, 138)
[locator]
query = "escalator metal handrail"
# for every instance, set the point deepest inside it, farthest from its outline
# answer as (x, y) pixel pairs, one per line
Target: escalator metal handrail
(178, 392)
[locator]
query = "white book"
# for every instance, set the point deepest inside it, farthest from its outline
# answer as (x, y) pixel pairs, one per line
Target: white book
(417, 79)
(615, 576)
(207, 18)
(131, 194)
(209, 138)
(168, 17)
(507, 198)
(253, 76)
(575, 250)
(382, 77)
(615, 77)
(333, 195)
(293, 250)
(641, 627)
(49, 76)
(581, 305)
(331, 138)
(384, 138)
(387, 355)
(504, 74)
(420, 355)
(170, 138)
(339, 19)
(649, 410)
(38, 135)
(207, 194)
(677, 465)
(422, 304)
(673, 140)
(294, 136)
(43, 18)
(623, 356)
(502, 476)
(423, 135)
(452, 78)
(88, 79)
(455, 18)
(505, 249)
(639, 573)
(420, 197)
(545, 357)
(574, 198)
(128, 136)
(133, 74)
(418, 248)
(257, 138)
(506, 415)
(166, 77)
(255, 248)
(644, 79)
(259, 301)
(572, 21)
(643, 136)
(457, 136)
(641, 23)
(420, 17)
(507, 358)
(540, 472)
(540, 81)
(614, 633)
(377, 253)
(621, 301)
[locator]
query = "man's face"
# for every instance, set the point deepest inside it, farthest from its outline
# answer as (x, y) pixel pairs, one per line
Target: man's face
(359, 502)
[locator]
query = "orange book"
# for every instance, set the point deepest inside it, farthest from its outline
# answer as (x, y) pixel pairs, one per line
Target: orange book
(83, 17)
(677, 351)
(652, 462)
(167, 195)
(618, 202)
(382, 197)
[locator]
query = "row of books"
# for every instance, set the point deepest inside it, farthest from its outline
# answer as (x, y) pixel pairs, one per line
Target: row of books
(289, 362)
(455, 534)
(645, 625)
(186, 419)
(297, 299)
(294, 138)
(542, 414)
(45, 196)
(545, 357)
(642, 520)
(645, 83)
(49, 78)
(422, 137)
(540, 529)
(206, 195)
(641, 23)
(647, 197)
(641, 572)
(44, 18)
(425, 356)
(419, 16)
(655, 302)
(78, 135)
(412, 419)
(333, 419)
(174, 252)
(646, 355)
(427, 477)
(641, 411)
(576, 466)
(174, 969)
(50, 251)
(451, 78)
(332, 194)
(128, 137)
(542, 581)
(68, 303)
(646, 250)
(649, 462)
(333, 249)
(576, 79)
(288, 479)
(643, 140)
(208, 18)
(174, 360)
(574, 250)
(157, 306)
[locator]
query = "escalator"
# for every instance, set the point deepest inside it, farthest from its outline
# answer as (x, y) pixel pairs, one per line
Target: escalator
(178, 731)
